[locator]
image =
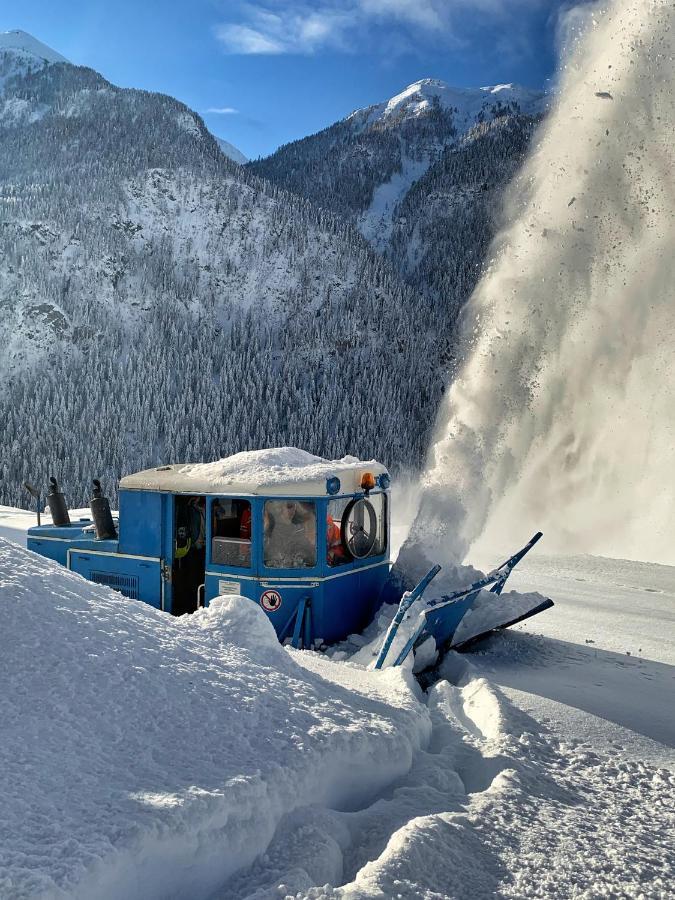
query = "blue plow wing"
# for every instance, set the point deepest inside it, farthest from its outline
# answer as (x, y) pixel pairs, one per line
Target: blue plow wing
(463, 617)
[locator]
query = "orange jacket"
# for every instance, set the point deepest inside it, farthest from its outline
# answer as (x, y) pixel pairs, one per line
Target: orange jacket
(245, 525)
(334, 540)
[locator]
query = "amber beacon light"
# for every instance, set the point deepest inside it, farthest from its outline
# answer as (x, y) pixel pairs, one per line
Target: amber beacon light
(367, 481)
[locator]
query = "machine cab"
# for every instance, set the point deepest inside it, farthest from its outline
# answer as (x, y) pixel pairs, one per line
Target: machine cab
(305, 538)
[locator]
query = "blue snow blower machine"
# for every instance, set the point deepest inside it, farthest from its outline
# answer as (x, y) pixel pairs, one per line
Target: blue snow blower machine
(305, 538)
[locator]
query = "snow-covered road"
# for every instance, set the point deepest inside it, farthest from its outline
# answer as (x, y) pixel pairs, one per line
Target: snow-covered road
(604, 656)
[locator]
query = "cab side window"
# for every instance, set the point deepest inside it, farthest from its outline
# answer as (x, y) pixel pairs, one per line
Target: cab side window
(356, 529)
(231, 532)
(290, 534)
(336, 554)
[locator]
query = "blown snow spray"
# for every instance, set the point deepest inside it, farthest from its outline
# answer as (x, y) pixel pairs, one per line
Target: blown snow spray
(563, 415)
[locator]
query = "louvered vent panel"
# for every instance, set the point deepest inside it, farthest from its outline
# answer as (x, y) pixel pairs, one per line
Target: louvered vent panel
(125, 584)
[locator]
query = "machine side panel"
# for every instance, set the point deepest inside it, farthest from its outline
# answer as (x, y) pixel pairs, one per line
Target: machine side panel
(54, 542)
(349, 602)
(56, 549)
(279, 600)
(141, 523)
(137, 579)
(371, 582)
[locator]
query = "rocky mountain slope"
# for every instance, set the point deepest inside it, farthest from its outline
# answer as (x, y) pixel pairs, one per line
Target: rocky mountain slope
(364, 166)
(421, 176)
(160, 303)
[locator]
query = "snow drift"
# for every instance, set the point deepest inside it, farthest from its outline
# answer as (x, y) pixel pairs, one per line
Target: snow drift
(144, 755)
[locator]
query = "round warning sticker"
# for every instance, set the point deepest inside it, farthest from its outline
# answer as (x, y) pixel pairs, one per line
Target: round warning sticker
(270, 601)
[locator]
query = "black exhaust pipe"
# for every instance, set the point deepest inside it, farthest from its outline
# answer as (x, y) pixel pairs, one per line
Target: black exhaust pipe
(57, 504)
(100, 513)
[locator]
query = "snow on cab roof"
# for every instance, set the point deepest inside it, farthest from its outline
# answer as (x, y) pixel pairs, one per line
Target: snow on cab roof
(280, 470)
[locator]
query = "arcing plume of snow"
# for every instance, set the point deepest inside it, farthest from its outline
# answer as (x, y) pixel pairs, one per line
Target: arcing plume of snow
(563, 417)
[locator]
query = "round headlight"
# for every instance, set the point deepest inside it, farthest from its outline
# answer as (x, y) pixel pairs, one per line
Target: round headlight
(333, 485)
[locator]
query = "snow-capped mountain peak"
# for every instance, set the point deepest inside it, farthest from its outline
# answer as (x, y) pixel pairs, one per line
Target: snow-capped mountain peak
(465, 103)
(24, 43)
(21, 53)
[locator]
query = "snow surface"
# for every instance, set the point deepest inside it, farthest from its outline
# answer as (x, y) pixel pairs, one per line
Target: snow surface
(231, 151)
(273, 470)
(22, 42)
(376, 223)
(145, 756)
(14, 523)
(607, 648)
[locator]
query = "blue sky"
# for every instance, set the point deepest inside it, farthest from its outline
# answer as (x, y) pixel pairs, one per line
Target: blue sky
(264, 72)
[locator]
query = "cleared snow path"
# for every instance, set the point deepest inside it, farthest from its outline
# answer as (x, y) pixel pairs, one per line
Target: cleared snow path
(497, 805)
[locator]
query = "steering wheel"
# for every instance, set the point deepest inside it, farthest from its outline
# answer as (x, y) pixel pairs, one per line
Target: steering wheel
(358, 540)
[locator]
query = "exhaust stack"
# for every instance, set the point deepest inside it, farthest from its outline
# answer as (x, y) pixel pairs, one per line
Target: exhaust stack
(57, 504)
(100, 513)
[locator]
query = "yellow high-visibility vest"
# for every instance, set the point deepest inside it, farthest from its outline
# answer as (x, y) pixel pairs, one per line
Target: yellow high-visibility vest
(180, 552)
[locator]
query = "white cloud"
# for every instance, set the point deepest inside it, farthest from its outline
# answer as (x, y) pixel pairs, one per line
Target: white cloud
(425, 13)
(243, 39)
(298, 28)
(305, 26)
(221, 110)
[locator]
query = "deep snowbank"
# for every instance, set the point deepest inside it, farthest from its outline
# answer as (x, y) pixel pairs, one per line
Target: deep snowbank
(145, 756)
(497, 805)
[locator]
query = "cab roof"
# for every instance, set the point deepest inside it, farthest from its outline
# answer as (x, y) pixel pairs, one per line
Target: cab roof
(277, 471)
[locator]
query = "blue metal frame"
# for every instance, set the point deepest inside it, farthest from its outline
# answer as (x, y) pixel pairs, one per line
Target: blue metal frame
(321, 603)
(318, 590)
(440, 617)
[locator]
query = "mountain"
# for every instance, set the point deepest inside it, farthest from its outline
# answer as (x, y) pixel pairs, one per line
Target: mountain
(231, 151)
(21, 53)
(364, 165)
(21, 44)
(159, 302)
(421, 176)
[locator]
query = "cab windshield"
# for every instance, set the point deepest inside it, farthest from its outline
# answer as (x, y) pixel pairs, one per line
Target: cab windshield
(289, 534)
